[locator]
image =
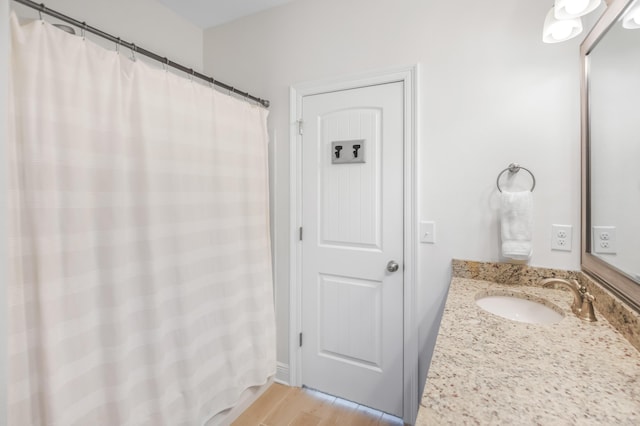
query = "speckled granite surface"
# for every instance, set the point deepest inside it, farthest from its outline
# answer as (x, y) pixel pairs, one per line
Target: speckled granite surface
(620, 316)
(489, 370)
(506, 273)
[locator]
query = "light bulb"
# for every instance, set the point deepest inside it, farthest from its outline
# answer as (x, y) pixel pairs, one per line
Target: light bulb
(576, 6)
(569, 9)
(561, 32)
(631, 20)
(555, 31)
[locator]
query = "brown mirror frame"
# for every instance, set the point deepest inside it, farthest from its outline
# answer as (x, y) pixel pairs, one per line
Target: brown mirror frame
(611, 278)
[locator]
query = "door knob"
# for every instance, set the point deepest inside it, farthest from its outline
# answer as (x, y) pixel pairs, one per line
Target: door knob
(392, 266)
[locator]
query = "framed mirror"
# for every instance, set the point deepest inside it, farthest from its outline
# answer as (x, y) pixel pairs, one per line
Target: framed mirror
(611, 151)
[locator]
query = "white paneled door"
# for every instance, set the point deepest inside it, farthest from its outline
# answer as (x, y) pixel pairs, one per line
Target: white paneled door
(352, 245)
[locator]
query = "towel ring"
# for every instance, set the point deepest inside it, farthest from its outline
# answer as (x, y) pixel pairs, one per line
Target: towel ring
(515, 168)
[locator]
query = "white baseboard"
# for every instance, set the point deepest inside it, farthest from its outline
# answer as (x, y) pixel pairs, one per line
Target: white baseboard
(282, 374)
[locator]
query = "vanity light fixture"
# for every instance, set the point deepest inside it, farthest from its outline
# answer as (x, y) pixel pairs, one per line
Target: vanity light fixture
(631, 19)
(569, 9)
(558, 30)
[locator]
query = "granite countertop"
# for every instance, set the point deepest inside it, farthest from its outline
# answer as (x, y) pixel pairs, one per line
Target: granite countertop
(490, 370)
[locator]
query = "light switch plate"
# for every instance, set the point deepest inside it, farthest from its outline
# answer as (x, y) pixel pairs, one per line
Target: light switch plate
(427, 232)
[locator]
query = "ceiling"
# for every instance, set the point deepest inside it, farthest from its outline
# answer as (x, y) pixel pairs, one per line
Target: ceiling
(209, 13)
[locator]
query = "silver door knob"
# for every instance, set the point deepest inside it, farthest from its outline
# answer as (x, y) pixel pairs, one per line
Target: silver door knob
(392, 266)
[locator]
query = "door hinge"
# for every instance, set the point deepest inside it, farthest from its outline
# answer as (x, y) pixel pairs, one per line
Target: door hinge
(300, 339)
(300, 233)
(300, 127)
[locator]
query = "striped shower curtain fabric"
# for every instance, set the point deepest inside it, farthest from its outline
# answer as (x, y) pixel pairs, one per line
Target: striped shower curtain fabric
(141, 289)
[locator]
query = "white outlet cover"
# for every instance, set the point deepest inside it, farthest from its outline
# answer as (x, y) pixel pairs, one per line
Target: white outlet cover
(604, 240)
(561, 237)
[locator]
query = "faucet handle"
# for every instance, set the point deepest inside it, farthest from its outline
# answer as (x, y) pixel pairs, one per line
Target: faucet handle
(588, 296)
(587, 312)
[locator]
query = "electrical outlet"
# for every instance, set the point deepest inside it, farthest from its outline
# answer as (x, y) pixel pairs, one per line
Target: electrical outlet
(604, 240)
(561, 237)
(347, 152)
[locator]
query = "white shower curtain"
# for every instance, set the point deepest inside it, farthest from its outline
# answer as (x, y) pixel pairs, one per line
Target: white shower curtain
(141, 288)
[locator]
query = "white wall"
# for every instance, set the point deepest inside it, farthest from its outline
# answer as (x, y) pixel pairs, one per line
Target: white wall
(490, 93)
(147, 23)
(4, 56)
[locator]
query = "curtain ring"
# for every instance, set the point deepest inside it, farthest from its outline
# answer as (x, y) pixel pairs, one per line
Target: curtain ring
(118, 46)
(133, 52)
(165, 64)
(191, 74)
(231, 90)
(83, 30)
(42, 8)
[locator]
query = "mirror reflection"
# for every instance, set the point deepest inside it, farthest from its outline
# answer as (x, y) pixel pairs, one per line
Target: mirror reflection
(614, 128)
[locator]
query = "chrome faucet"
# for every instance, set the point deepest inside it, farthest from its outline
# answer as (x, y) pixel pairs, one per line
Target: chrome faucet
(582, 304)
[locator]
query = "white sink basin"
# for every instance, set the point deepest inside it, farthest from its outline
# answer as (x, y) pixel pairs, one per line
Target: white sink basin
(519, 308)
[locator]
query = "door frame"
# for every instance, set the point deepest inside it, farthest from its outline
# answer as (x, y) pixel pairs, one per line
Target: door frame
(408, 75)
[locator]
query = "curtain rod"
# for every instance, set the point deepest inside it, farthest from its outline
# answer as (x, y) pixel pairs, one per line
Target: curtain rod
(83, 25)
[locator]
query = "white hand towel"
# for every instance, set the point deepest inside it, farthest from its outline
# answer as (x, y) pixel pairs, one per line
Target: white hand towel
(516, 217)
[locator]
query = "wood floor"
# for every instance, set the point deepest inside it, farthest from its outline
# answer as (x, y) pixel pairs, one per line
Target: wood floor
(282, 405)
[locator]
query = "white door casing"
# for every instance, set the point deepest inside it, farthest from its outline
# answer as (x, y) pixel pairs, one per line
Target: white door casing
(292, 372)
(352, 319)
